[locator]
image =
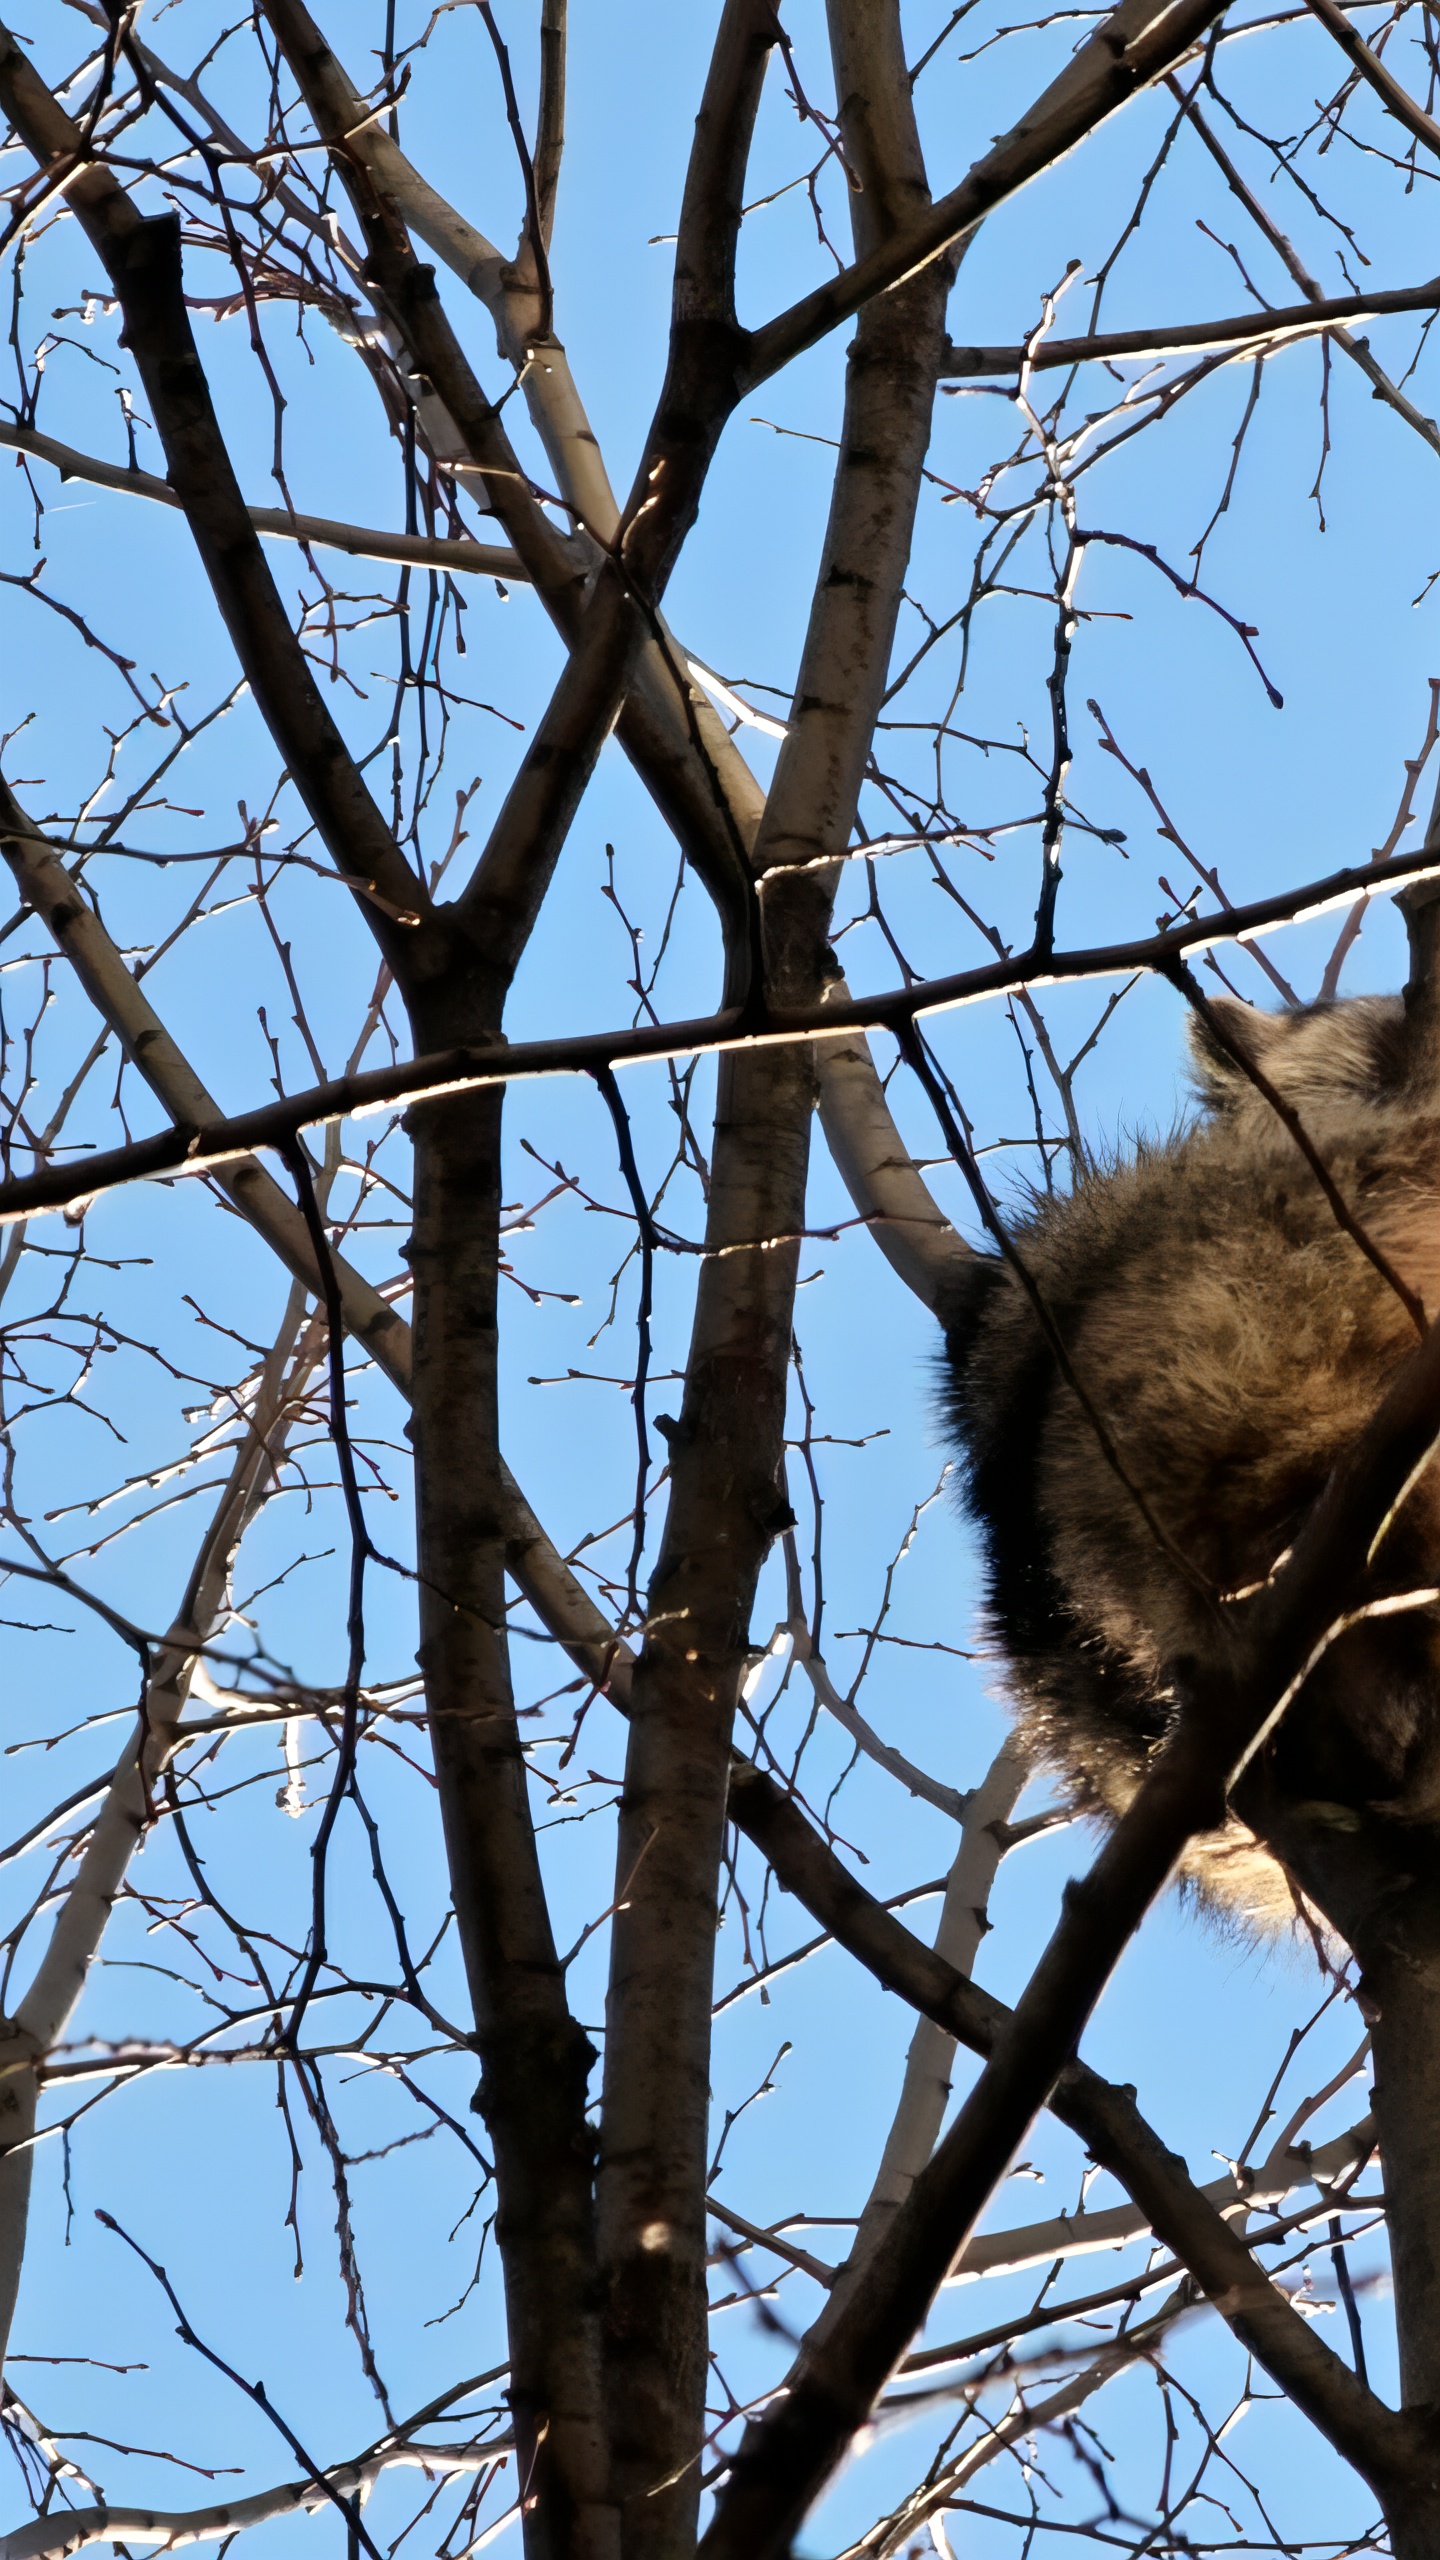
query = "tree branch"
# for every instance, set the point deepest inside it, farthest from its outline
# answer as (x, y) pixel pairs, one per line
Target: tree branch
(119, 999)
(1138, 43)
(1105, 2117)
(360, 541)
(681, 749)
(48, 2002)
(1288, 324)
(59, 2535)
(1355, 348)
(47, 887)
(202, 1144)
(877, 1169)
(550, 114)
(142, 259)
(1264, 1649)
(1382, 80)
(804, 1864)
(925, 2089)
(1079, 2235)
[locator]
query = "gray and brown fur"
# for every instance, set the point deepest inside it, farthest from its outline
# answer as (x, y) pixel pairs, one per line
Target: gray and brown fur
(1235, 1341)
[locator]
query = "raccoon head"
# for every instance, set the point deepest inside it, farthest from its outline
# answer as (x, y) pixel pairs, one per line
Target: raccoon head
(1323, 1058)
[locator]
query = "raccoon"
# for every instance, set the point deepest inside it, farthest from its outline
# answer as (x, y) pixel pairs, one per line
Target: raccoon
(1234, 1339)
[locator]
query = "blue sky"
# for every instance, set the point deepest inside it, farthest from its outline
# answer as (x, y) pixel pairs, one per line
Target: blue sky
(196, 2164)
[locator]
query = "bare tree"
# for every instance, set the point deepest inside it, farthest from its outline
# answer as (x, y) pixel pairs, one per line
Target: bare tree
(383, 1023)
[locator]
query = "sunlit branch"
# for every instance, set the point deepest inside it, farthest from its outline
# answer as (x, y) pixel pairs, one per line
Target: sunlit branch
(197, 1147)
(67, 2530)
(1392, 92)
(362, 542)
(1267, 328)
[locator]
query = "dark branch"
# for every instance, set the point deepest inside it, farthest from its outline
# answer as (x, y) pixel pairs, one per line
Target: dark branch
(1266, 1645)
(142, 258)
(1292, 321)
(1387, 88)
(1139, 42)
(1106, 2118)
(196, 1147)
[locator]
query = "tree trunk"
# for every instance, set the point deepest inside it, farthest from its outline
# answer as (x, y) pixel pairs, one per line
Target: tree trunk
(535, 2058)
(727, 1458)
(1378, 1884)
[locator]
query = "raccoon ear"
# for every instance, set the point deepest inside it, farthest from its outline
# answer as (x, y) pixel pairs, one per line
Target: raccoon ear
(1254, 1033)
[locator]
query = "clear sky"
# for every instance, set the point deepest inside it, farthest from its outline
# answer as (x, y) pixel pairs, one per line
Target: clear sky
(197, 2164)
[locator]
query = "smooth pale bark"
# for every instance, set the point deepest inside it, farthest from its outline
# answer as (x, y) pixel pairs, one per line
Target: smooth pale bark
(508, 288)
(925, 2088)
(1077, 2235)
(878, 1171)
(58, 2536)
(46, 2006)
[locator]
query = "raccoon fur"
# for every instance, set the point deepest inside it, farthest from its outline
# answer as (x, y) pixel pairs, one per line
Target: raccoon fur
(1235, 1341)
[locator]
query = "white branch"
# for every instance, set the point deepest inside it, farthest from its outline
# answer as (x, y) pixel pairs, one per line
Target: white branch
(119, 1827)
(925, 2089)
(952, 1800)
(1076, 2235)
(55, 2537)
(876, 1167)
(1025, 2418)
(764, 721)
(360, 541)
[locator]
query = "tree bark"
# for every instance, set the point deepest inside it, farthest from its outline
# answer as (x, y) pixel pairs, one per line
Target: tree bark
(535, 2058)
(1379, 1886)
(727, 1499)
(44, 2009)
(925, 2089)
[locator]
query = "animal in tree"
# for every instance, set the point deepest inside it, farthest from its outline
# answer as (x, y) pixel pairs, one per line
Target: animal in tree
(1232, 1338)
